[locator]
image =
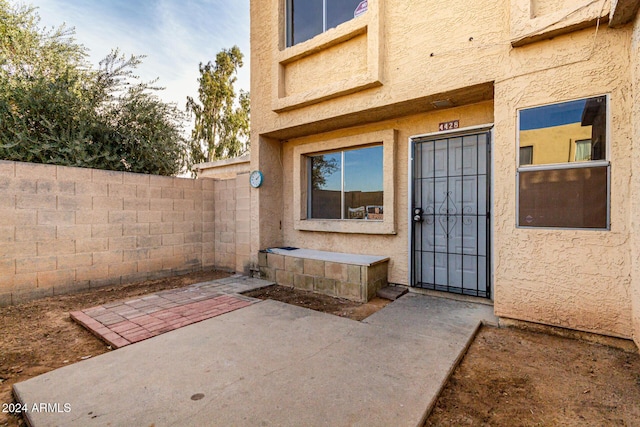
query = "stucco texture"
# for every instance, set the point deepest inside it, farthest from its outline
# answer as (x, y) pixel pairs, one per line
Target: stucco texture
(578, 279)
(464, 54)
(414, 61)
(635, 220)
(534, 20)
(394, 246)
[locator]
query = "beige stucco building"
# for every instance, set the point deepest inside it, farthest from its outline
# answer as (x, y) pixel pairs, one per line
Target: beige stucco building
(421, 112)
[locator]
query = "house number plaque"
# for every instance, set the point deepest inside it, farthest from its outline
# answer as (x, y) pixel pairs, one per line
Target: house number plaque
(454, 124)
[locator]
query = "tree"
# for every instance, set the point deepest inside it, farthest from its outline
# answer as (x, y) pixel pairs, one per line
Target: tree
(55, 108)
(321, 168)
(221, 128)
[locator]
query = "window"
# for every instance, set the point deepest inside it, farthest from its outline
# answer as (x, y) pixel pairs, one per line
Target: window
(583, 150)
(380, 215)
(526, 155)
(347, 185)
(566, 184)
(308, 18)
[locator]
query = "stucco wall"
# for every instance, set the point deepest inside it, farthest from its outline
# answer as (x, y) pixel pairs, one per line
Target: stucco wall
(465, 53)
(394, 246)
(266, 201)
(571, 278)
(635, 189)
(414, 61)
(535, 20)
(66, 229)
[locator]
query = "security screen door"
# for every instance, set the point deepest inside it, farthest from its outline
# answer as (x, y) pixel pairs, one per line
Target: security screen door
(451, 214)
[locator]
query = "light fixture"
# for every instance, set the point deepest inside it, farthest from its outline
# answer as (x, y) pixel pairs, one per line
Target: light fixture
(442, 103)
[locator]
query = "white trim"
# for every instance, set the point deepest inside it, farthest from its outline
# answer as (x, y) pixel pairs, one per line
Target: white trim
(324, 15)
(568, 165)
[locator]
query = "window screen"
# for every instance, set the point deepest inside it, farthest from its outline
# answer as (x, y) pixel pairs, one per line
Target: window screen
(326, 186)
(568, 198)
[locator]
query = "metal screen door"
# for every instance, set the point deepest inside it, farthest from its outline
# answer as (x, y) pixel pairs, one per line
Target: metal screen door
(451, 214)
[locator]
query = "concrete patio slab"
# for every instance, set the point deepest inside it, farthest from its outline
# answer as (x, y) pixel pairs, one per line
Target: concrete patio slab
(269, 364)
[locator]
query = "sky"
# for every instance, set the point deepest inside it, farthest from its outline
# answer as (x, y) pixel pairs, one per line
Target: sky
(361, 170)
(175, 35)
(552, 115)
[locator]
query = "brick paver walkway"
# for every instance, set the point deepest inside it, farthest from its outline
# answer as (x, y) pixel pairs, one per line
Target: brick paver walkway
(126, 322)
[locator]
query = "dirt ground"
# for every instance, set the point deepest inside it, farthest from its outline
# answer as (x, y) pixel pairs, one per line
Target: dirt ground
(509, 377)
(39, 336)
(326, 304)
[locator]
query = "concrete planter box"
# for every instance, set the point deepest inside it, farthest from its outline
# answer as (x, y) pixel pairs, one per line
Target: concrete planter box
(349, 276)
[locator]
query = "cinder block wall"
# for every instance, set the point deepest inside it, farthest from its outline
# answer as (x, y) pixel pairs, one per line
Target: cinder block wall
(224, 236)
(232, 223)
(65, 229)
(243, 223)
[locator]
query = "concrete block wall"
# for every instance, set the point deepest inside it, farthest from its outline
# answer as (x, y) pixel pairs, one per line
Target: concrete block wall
(355, 282)
(243, 223)
(64, 229)
(224, 235)
(232, 224)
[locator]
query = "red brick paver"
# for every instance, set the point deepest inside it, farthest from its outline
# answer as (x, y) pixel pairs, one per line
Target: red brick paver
(124, 323)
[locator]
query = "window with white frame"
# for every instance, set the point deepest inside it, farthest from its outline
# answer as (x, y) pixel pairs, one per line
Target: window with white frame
(308, 18)
(346, 184)
(563, 173)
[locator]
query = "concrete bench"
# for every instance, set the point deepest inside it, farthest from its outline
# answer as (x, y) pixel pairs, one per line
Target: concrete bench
(342, 275)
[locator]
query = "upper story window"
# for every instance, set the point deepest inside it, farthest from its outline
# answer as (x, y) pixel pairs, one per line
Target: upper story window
(308, 18)
(563, 173)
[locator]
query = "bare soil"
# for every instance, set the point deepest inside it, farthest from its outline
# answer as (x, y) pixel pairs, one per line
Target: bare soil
(39, 336)
(509, 377)
(326, 304)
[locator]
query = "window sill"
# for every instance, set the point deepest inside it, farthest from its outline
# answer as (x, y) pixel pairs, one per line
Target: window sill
(293, 63)
(347, 226)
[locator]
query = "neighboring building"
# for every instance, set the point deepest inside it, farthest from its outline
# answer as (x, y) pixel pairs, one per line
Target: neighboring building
(488, 148)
